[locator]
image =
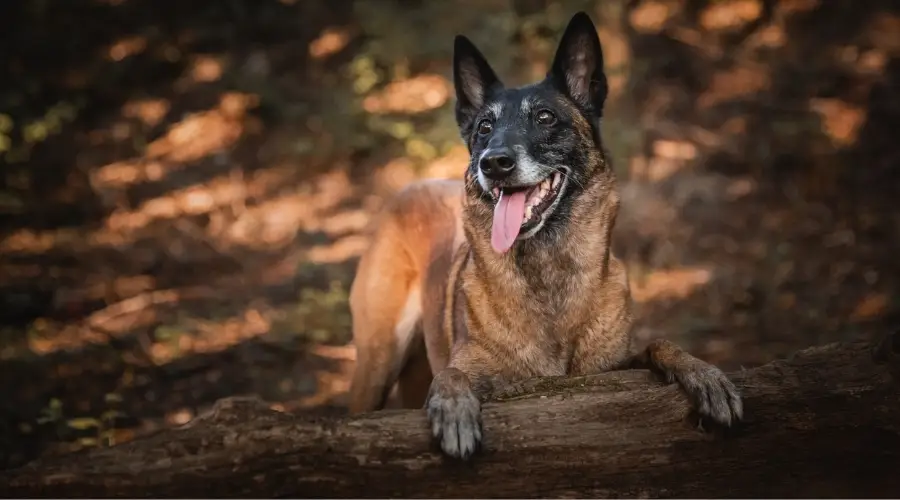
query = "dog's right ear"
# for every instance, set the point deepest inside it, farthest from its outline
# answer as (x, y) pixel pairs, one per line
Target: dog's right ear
(474, 81)
(577, 67)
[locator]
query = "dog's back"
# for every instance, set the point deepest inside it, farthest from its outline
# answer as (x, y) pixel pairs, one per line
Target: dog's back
(398, 292)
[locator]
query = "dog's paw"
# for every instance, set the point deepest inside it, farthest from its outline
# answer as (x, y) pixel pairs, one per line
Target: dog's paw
(454, 413)
(714, 395)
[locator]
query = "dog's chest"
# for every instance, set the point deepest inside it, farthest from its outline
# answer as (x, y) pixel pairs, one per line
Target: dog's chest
(540, 336)
(541, 353)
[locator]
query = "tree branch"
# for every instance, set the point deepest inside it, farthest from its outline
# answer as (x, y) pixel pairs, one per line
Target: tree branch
(825, 423)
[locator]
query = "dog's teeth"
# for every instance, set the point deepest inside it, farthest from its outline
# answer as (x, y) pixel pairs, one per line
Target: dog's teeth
(556, 178)
(528, 212)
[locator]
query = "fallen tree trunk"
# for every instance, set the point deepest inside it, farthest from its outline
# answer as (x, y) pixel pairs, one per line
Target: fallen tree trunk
(825, 423)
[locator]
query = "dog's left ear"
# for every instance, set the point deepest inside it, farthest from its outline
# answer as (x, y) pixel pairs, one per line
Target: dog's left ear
(578, 65)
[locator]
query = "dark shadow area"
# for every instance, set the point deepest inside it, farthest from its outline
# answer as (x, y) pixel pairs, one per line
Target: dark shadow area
(130, 394)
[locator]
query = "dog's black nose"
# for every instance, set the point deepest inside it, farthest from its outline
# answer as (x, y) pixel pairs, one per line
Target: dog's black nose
(497, 164)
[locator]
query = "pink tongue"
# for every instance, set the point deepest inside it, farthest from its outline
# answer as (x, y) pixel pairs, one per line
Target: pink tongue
(508, 217)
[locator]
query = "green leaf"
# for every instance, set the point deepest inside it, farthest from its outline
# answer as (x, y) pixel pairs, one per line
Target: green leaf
(88, 441)
(111, 415)
(112, 398)
(83, 423)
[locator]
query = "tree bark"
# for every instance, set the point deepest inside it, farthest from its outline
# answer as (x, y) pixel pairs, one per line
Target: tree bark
(824, 423)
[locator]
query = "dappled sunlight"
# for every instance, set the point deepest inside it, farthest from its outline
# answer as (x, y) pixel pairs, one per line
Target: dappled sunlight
(127, 47)
(669, 284)
(203, 335)
(29, 241)
(172, 338)
(118, 319)
(841, 121)
(204, 133)
(193, 138)
(120, 175)
(336, 352)
(331, 386)
(266, 224)
(149, 111)
(271, 223)
(395, 174)
(739, 188)
(341, 250)
(411, 96)
(330, 42)
(741, 82)
(107, 288)
(668, 158)
(871, 62)
(277, 221)
(729, 15)
(344, 222)
(217, 193)
(770, 37)
(206, 69)
(675, 150)
(180, 416)
(334, 384)
(617, 57)
(651, 16)
(870, 307)
(449, 166)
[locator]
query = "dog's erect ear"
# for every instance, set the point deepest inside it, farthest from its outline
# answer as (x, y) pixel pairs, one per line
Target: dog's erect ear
(474, 81)
(578, 65)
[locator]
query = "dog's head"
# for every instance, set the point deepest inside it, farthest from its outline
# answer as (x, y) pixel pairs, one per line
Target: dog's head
(534, 149)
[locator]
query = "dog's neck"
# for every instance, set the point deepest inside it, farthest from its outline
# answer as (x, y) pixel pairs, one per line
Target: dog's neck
(573, 259)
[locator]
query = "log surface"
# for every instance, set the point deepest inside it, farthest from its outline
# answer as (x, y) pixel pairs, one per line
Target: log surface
(824, 423)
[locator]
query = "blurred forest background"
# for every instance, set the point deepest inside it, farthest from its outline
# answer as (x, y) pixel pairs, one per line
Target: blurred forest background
(185, 185)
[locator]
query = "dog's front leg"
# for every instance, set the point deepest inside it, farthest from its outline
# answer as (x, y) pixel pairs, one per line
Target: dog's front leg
(454, 402)
(714, 396)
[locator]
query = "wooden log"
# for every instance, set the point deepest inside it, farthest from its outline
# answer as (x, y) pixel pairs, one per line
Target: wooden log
(824, 423)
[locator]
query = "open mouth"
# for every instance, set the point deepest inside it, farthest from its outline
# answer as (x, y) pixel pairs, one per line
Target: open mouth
(521, 208)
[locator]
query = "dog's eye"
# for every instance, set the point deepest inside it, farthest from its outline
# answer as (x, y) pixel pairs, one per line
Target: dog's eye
(545, 117)
(485, 127)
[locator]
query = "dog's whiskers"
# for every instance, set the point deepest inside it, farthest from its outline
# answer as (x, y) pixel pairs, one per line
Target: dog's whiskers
(571, 178)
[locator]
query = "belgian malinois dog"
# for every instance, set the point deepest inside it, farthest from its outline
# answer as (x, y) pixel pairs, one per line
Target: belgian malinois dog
(508, 274)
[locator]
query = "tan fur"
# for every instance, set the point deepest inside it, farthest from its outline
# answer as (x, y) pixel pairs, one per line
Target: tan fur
(501, 325)
(515, 327)
(562, 307)
(485, 320)
(411, 249)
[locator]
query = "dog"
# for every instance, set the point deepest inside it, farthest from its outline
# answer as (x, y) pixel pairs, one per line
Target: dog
(508, 274)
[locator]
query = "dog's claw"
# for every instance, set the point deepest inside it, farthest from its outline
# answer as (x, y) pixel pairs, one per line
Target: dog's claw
(456, 423)
(715, 396)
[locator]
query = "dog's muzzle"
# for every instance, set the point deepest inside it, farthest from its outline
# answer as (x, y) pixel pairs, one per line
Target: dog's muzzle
(498, 164)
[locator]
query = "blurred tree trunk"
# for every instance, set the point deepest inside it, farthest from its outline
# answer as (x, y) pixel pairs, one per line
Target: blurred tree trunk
(825, 423)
